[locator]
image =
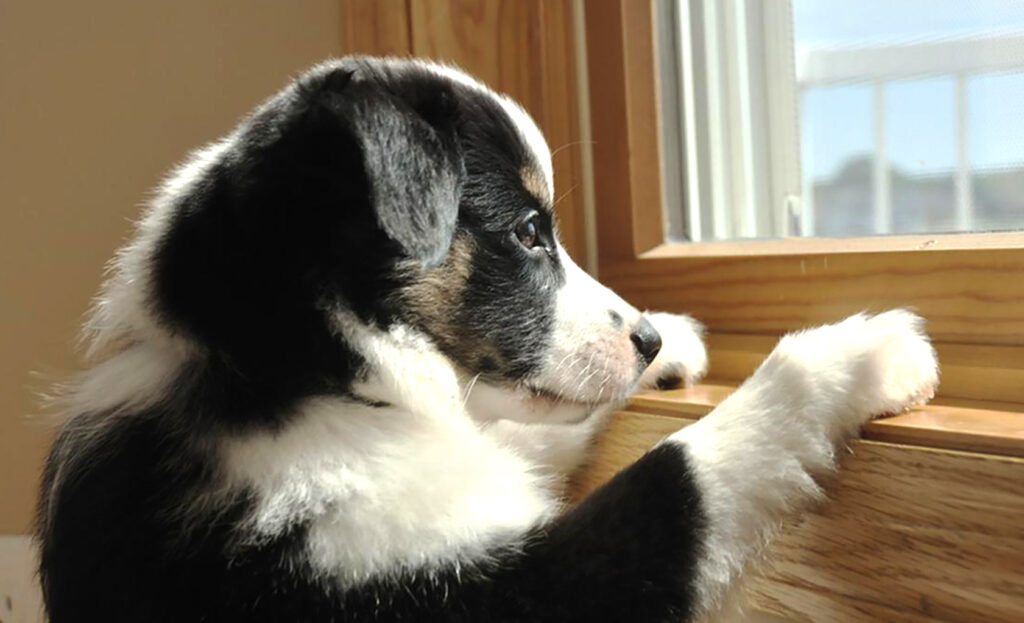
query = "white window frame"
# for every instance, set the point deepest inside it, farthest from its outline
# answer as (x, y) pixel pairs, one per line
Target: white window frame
(725, 153)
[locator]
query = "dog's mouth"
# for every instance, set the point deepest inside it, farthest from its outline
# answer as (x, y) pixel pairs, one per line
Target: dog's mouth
(541, 393)
(529, 402)
(611, 385)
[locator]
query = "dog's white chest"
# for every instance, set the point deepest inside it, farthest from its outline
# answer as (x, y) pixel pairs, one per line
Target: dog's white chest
(380, 488)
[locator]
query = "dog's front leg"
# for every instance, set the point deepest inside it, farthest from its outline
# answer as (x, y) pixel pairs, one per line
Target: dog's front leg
(757, 457)
(664, 539)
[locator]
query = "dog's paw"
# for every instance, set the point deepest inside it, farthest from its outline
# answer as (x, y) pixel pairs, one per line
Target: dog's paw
(683, 359)
(880, 365)
(902, 370)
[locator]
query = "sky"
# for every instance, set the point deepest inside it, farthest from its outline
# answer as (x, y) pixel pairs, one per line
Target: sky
(836, 121)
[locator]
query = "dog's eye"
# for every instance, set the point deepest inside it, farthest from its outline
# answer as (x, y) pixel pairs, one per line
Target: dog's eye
(526, 232)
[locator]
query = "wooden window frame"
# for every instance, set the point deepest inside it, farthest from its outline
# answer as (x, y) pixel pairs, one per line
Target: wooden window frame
(969, 287)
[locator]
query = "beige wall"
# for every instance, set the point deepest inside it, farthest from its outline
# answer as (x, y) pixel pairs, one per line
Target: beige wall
(97, 100)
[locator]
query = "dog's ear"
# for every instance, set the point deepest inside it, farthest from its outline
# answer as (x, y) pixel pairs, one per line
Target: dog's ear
(412, 160)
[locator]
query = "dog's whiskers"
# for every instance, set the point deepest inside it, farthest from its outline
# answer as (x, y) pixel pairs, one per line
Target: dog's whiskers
(564, 195)
(469, 389)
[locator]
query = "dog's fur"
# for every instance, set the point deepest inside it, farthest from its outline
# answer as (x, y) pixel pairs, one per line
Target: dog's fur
(345, 365)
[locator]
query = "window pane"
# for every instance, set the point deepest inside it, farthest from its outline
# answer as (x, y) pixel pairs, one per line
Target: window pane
(837, 158)
(921, 151)
(996, 148)
(910, 117)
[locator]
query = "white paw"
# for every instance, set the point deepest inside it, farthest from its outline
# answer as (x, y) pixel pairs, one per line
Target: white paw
(883, 364)
(902, 366)
(683, 360)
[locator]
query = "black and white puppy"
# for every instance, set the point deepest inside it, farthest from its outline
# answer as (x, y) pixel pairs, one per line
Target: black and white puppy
(344, 365)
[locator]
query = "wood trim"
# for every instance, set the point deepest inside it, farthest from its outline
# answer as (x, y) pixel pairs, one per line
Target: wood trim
(975, 426)
(909, 534)
(969, 372)
(624, 125)
(561, 124)
(971, 296)
(608, 122)
(644, 121)
(379, 27)
(818, 246)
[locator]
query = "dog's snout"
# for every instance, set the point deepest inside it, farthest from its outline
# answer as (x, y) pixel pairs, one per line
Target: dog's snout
(646, 339)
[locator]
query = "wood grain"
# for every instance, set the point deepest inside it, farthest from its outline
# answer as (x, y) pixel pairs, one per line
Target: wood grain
(624, 123)
(817, 246)
(996, 428)
(910, 534)
(971, 296)
(378, 27)
(644, 118)
(979, 428)
(628, 436)
(560, 122)
(498, 42)
(972, 372)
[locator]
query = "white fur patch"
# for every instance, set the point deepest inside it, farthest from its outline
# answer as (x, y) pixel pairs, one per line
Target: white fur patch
(555, 448)
(534, 139)
(414, 485)
(757, 455)
(682, 355)
(408, 370)
(133, 379)
(121, 310)
(527, 127)
(590, 359)
(486, 403)
(385, 490)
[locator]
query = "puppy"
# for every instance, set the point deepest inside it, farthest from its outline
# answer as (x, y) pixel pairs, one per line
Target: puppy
(345, 363)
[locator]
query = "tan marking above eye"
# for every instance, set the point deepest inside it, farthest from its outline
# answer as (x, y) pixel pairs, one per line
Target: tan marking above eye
(536, 184)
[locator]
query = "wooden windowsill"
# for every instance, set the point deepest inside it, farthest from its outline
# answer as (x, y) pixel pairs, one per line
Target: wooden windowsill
(833, 246)
(910, 534)
(947, 423)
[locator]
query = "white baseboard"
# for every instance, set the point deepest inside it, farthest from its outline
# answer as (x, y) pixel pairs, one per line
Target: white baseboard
(20, 599)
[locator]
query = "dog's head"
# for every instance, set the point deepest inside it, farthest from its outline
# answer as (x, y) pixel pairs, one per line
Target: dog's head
(393, 192)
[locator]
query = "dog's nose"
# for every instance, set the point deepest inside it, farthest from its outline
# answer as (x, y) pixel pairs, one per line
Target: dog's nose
(646, 339)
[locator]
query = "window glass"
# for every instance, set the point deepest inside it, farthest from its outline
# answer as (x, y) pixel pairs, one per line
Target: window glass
(910, 114)
(841, 118)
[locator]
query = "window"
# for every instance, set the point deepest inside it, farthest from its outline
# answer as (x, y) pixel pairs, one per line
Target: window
(748, 256)
(835, 118)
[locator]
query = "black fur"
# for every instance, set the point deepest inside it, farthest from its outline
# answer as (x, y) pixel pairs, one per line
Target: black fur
(305, 214)
(340, 193)
(117, 551)
(332, 184)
